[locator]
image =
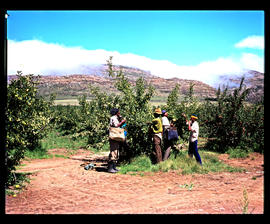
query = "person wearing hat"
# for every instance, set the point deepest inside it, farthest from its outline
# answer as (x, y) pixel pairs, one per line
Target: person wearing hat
(115, 121)
(157, 134)
(193, 127)
(169, 141)
(165, 121)
(166, 126)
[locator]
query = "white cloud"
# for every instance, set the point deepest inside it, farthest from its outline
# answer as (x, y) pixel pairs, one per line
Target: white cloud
(252, 62)
(256, 42)
(34, 56)
(37, 57)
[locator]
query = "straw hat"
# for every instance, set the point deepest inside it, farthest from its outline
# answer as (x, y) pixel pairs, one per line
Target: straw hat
(158, 111)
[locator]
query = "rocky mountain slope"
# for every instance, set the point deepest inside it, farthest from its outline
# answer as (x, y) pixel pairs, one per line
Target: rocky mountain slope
(77, 84)
(74, 85)
(252, 79)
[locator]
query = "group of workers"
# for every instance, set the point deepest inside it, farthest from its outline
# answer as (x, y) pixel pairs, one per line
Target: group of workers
(161, 129)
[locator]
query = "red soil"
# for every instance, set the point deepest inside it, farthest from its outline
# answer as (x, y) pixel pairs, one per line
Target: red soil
(63, 186)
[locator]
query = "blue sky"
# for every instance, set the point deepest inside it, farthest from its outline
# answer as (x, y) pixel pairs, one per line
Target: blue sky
(180, 38)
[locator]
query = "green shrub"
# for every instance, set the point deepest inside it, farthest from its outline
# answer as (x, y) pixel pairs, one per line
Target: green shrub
(238, 152)
(227, 122)
(231, 121)
(27, 119)
(91, 118)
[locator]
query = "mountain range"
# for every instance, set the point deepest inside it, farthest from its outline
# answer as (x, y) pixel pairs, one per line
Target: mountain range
(73, 85)
(253, 80)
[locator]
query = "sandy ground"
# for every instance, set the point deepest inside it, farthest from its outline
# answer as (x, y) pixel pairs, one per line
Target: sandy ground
(63, 186)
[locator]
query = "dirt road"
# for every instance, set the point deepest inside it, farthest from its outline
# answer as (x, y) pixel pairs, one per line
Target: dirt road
(62, 186)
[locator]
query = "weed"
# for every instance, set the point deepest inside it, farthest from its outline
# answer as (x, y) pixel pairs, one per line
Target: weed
(17, 183)
(245, 202)
(187, 186)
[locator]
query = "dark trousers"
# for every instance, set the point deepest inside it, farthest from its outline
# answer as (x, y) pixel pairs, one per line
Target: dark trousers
(193, 150)
(168, 145)
(114, 150)
(157, 145)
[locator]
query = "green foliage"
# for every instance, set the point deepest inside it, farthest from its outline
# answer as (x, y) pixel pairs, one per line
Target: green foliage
(27, 119)
(188, 106)
(95, 117)
(91, 118)
(134, 105)
(66, 118)
(228, 122)
(173, 98)
(237, 152)
(231, 122)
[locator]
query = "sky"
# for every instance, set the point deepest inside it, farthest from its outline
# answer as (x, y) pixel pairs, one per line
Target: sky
(198, 45)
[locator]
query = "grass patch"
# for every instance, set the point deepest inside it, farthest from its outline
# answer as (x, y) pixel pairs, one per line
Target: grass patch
(38, 153)
(56, 140)
(138, 164)
(238, 152)
(182, 162)
(213, 164)
(100, 148)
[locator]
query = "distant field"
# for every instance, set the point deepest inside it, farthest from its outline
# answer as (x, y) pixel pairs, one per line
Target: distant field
(67, 102)
(75, 102)
(71, 100)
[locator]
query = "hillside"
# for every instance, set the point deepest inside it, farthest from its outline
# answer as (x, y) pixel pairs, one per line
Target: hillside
(253, 80)
(77, 84)
(74, 85)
